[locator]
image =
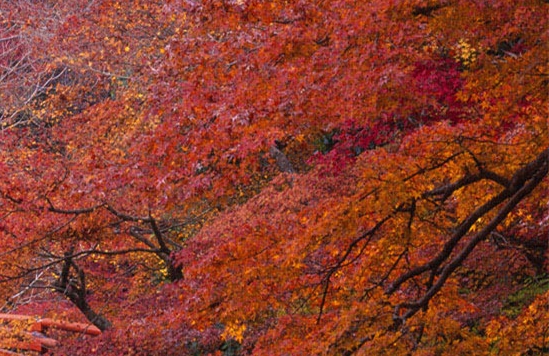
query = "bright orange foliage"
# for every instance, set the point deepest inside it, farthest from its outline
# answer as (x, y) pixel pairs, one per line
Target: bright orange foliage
(274, 177)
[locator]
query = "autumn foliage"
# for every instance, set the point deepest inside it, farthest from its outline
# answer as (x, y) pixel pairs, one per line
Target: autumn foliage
(273, 177)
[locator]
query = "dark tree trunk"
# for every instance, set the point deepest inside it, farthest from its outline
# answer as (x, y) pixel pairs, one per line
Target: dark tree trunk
(74, 288)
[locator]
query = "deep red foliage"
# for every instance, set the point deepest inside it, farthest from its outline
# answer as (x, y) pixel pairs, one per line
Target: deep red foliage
(273, 177)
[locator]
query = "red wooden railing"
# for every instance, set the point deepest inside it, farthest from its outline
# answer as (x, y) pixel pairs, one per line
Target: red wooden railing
(37, 341)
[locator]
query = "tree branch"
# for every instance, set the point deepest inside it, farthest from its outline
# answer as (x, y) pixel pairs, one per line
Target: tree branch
(523, 182)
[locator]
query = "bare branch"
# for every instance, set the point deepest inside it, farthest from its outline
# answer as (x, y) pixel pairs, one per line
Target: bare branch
(53, 209)
(524, 181)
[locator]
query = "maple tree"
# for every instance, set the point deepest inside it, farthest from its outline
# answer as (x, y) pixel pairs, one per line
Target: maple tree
(299, 178)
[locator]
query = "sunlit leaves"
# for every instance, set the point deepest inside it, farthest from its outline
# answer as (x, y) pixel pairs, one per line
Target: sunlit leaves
(400, 120)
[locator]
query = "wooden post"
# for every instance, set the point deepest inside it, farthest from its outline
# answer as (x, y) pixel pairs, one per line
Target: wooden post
(45, 323)
(39, 342)
(9, 353)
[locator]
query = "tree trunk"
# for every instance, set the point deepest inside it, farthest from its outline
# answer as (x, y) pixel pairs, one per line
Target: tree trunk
(96, 319)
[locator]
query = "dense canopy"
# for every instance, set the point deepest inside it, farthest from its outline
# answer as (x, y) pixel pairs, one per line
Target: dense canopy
(278, 177)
